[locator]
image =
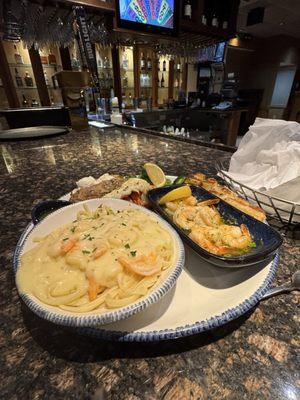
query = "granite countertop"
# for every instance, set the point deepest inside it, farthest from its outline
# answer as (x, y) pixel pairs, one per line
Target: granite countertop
(253, 357)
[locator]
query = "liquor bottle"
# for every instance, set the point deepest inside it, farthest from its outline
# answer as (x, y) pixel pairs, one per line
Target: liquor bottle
(225, 19)
(149, 63)
(46, 79)
(125, 60)
(130, 99)
(158, 65)
(178, 66)
(24, 101)
(176, 83)
(215, 21)
(106, 63)
(19, 81)
(203, 19)
(125, 80)
(187, 13)
(51, 58)
(164, 65)
(162, 82)
(18, 57)
(28, 80)
(143, 62)
(74, 63)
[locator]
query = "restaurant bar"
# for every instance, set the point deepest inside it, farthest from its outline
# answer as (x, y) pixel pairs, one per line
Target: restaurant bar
(150, 199)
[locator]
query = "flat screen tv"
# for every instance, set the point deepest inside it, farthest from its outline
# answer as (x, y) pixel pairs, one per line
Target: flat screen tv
(214, 53)
(153, 16)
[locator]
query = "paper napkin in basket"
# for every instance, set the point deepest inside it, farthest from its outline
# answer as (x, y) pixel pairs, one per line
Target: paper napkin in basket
(268, 155)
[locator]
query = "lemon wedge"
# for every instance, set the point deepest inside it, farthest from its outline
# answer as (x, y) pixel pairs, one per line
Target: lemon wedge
(156, 174)
(176, 194)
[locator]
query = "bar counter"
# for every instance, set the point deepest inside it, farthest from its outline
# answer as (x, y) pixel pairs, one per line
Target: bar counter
(253, 357)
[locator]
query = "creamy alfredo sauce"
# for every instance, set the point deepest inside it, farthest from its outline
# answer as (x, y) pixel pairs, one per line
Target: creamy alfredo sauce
(120, 254)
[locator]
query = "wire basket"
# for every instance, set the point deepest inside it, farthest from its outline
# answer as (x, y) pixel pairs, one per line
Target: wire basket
(284, 211)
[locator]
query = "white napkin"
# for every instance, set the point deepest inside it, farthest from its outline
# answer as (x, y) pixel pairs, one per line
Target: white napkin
(268, 154)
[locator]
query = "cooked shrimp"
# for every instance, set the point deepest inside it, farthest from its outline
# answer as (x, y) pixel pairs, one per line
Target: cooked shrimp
(190, 201)
(206, 215)
(142, 265)
(237, 237)
(68, 245)
(99, 249)
(184, 216)
(203, 236)
(172, 205)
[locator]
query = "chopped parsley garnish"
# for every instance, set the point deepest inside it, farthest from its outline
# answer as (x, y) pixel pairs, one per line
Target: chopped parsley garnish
(88, 237)
(252, 244)
(65, 239)
(86, 252)
(127, 246)
(133, 253)
(73, 229)
(94, 249)
(123, 224)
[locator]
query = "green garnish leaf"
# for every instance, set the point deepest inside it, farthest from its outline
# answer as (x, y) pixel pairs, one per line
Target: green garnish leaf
(123, 224)
(144, 176)
(252, 244)
(65, 239)
(133, 253)
(86, 252)
(127, 246)
(94, 249)
(73, 229)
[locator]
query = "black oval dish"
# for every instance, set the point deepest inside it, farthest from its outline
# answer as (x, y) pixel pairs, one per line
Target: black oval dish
(266, 238)
(41, 210)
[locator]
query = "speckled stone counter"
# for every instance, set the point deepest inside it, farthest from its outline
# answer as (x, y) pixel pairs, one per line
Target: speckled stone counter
(253, 357)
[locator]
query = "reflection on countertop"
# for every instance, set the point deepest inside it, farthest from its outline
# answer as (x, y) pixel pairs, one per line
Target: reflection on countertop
(252, 357)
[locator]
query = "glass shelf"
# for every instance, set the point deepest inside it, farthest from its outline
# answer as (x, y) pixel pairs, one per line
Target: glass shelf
(25, 87)
(30, 66)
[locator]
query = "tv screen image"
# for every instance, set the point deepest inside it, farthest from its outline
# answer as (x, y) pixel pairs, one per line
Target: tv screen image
(159, 13)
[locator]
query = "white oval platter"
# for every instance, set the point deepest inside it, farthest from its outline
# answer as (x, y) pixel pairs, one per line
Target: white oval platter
(204, 297)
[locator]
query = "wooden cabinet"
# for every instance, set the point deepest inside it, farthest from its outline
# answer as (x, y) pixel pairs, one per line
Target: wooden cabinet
(211, 18)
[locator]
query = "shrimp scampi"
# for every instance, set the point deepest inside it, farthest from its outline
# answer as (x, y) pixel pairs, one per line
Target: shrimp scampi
(205, 226)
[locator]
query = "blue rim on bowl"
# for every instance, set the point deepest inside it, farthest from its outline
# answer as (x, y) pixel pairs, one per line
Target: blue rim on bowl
(92, 319)
(266, 238)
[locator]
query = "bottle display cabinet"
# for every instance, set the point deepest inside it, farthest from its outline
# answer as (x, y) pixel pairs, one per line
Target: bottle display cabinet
(23, 77)
(105, 70)
(140, 74)
(163, 70)
(127, 76)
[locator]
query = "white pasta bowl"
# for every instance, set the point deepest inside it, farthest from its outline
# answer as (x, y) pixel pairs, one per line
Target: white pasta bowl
(99, 316)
